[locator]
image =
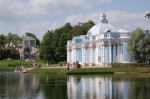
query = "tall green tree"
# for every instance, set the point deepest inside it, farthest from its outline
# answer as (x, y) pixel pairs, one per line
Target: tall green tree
(82, 28)
(2, 47)
(57, 40)
(46, 49)
(9, 46)
(60, 37)
(139, 45)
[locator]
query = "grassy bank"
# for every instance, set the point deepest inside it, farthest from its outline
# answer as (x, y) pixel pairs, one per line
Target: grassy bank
(11, 65)
(7, 65)
(48, 71)
(108, 70)
(90, 70)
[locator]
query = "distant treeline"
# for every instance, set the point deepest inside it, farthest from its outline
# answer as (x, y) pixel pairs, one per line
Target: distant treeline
(10, 44)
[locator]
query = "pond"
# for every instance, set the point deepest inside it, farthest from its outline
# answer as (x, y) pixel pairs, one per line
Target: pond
(36, 86)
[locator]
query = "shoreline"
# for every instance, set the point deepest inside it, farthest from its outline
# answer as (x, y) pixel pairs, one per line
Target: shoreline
(89, 70)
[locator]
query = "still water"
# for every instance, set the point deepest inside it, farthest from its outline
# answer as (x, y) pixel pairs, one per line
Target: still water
(35, 86)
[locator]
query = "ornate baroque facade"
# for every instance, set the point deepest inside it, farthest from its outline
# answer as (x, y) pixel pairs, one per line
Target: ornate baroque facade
(28, 49)
(102, 45)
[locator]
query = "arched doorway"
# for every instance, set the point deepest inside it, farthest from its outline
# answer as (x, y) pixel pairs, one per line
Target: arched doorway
(27, 53)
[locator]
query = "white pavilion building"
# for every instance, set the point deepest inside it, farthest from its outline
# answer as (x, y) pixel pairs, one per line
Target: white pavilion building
(102, 45)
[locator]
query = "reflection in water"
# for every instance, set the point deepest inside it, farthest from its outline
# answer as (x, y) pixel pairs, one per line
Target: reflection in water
(96, 88)
(19, 86)
(31, 86)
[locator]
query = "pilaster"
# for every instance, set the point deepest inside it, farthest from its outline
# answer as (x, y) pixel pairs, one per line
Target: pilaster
(110, 53)
(74, 53)
(83, 54)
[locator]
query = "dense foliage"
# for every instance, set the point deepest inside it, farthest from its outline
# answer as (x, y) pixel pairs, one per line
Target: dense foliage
(9, 45)
(131, 65)
(147, 15)
(53, 45)
(139, 45)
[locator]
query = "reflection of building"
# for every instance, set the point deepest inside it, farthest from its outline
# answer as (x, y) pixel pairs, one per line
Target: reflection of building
(28, 49)
(102, 45)
(96, 88)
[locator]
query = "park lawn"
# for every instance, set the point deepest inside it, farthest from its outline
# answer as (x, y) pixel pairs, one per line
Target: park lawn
(89, 70)
(107, 70)
(48, 71)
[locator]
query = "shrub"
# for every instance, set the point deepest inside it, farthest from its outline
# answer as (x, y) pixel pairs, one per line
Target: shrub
(62, 62)
(126, 65)
(19, 64)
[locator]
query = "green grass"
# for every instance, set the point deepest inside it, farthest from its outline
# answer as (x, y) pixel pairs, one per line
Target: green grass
(88, 70)
(107, 70)
(49, 71)
(4, 67)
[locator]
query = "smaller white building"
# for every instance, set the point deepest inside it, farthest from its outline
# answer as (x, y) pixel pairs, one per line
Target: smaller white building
(28, 49)
(102, 45)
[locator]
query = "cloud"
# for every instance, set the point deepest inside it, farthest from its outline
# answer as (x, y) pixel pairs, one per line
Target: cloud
(36, 16)
(20, 10)
(130, 21)
(39, 29)
(61, 5)
(55, 25)
(119, 19)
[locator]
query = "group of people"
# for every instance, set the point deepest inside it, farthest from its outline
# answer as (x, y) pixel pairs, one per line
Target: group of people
(75, 65)
(18, 70)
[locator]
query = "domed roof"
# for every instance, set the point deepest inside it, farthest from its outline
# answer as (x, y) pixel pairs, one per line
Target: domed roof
(101, 27)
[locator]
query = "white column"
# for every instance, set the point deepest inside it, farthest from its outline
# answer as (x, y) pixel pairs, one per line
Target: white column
(96, 54)
(114, 52)
(120, 53)
(110, 51)
(83, 54)
(74, 53)
(99, 54)
(102, 54)
(91, 53)
(68, 55)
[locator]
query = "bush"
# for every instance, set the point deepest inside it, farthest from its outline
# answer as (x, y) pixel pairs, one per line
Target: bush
(62, 62)
(126, 65)
(19, 64)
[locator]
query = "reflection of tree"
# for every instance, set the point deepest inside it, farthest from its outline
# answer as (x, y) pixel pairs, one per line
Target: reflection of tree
(18, 86)
(53, 88)
(2, 84)
(140, 88)
(77, 80)
(9, 86)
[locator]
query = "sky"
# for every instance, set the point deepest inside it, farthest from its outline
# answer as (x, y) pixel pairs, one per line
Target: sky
(39, 16)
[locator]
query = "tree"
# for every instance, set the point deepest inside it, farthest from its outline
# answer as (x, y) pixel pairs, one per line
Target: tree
(46, 50)
(82, 28)
(53, 45)
(139, 45)
(9, 46)
(147, 15)
(2, 47)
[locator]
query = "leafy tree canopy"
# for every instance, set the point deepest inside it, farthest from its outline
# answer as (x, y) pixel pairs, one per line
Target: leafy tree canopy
(55, 41)
(139, 45)
(147, 15)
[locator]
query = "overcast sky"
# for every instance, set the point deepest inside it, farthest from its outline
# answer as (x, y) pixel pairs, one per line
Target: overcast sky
(38, 16)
